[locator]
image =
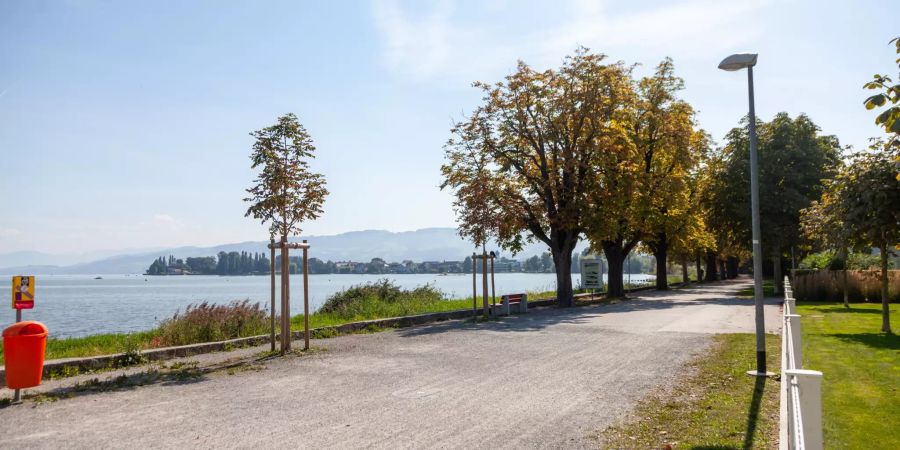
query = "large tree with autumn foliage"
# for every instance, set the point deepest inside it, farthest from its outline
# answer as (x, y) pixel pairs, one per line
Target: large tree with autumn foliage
(524, 164)
(646, 198)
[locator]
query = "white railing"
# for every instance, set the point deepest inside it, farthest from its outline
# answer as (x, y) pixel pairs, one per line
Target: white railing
(801, 396)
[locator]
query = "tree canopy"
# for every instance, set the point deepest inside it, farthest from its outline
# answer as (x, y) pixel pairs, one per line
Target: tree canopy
(794, 158)
(861, 208)
(285, 192)
(531, 155)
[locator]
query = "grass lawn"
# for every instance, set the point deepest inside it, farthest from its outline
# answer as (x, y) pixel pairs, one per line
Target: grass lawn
(861, 372)
(718, 407)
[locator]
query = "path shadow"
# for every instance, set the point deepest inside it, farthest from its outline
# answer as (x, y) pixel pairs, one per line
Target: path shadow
(177, 374)
(720, 293)
(873, 340)
(753, 411)
(830, 309)
(532, 321)
(124, 382)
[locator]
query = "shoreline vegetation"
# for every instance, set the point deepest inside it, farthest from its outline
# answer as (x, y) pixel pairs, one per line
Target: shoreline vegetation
(247, 263)
(206, 322)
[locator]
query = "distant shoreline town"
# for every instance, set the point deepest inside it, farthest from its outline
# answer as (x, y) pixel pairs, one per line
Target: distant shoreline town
(249, 263)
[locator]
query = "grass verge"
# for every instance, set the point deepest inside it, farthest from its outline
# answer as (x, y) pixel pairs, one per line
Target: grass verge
(860, 373)
(717, 407)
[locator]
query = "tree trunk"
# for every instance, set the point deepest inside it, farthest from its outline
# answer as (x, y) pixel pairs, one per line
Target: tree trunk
(615, 258)
(885, 308)
(711, 274)
(684, 270)
(661, 253)
(562, 259)
(732, 264)
(699, 268)
(846, 294)
(722, 272)
(777, 282)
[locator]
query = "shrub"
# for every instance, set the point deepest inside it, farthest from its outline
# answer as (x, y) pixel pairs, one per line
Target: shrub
(382, 298)
(207, 322)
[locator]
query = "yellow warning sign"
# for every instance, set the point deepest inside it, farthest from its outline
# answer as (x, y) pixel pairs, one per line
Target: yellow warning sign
(23, 292)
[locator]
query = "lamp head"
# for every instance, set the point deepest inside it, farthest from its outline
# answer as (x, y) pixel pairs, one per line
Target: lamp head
(738, 61)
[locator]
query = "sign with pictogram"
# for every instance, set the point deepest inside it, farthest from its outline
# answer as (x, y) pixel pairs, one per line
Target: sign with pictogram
(23, 292)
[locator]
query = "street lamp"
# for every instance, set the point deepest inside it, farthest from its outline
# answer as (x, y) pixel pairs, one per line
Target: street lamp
(731, 64)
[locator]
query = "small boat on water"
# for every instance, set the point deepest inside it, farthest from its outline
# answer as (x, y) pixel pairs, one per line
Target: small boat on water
(98, 278)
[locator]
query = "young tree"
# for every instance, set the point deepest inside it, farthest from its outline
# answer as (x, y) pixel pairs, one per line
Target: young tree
(286, 192)
(864, 200)
(536, 146)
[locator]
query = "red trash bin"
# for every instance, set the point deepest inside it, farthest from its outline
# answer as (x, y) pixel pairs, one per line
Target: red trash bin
(24, 344)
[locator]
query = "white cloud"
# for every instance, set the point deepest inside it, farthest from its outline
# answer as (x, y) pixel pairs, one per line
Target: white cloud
(440, 42)
(418, 44)
(9, 232)
(164, 219)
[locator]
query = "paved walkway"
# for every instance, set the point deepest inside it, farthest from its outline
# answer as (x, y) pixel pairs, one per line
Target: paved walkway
(548, 379)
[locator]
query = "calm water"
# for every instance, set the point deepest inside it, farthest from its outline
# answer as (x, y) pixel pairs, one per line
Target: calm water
(76, 305)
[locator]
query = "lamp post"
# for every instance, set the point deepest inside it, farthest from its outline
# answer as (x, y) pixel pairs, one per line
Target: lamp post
(731, 64)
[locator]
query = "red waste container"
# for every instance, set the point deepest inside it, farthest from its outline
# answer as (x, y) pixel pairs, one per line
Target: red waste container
(24, 344)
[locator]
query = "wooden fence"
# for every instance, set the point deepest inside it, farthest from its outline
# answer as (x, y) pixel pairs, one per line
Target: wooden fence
(828, 285)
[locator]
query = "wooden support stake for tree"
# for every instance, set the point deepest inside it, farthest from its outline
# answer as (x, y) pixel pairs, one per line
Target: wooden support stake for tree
(285, 317)
(272, 264)
(305, 297)
(484, 282)
(493, 282)
(474, 285)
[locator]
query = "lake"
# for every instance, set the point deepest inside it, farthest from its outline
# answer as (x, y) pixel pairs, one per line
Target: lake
(79, 305)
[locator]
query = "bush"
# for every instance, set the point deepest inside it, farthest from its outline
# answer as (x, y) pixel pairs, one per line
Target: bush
(380, 299)
(828, 259)
(205, 322)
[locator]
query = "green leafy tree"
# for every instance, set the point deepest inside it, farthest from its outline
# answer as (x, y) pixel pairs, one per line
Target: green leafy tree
(861, 208)
(285, 192)
(793, 159)
(888, 94)
(534, 149)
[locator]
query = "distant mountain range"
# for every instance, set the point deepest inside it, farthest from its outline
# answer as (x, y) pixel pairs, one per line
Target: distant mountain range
(429, 244)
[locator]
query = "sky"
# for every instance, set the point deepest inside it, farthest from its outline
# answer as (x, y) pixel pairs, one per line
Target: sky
(125, 125)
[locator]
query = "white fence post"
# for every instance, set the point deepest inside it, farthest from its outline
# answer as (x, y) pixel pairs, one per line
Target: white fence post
(809, 384)
(796, 348)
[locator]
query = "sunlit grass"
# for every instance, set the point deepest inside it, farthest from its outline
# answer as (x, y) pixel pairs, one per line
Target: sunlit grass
(860, 368)
(718, 407)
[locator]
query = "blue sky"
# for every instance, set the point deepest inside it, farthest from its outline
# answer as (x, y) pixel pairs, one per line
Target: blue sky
(125, 124)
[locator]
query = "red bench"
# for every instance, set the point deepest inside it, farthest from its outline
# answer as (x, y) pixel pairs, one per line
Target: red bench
(510, 301)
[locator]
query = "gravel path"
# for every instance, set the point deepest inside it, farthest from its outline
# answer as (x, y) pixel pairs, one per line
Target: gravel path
(548, 379)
